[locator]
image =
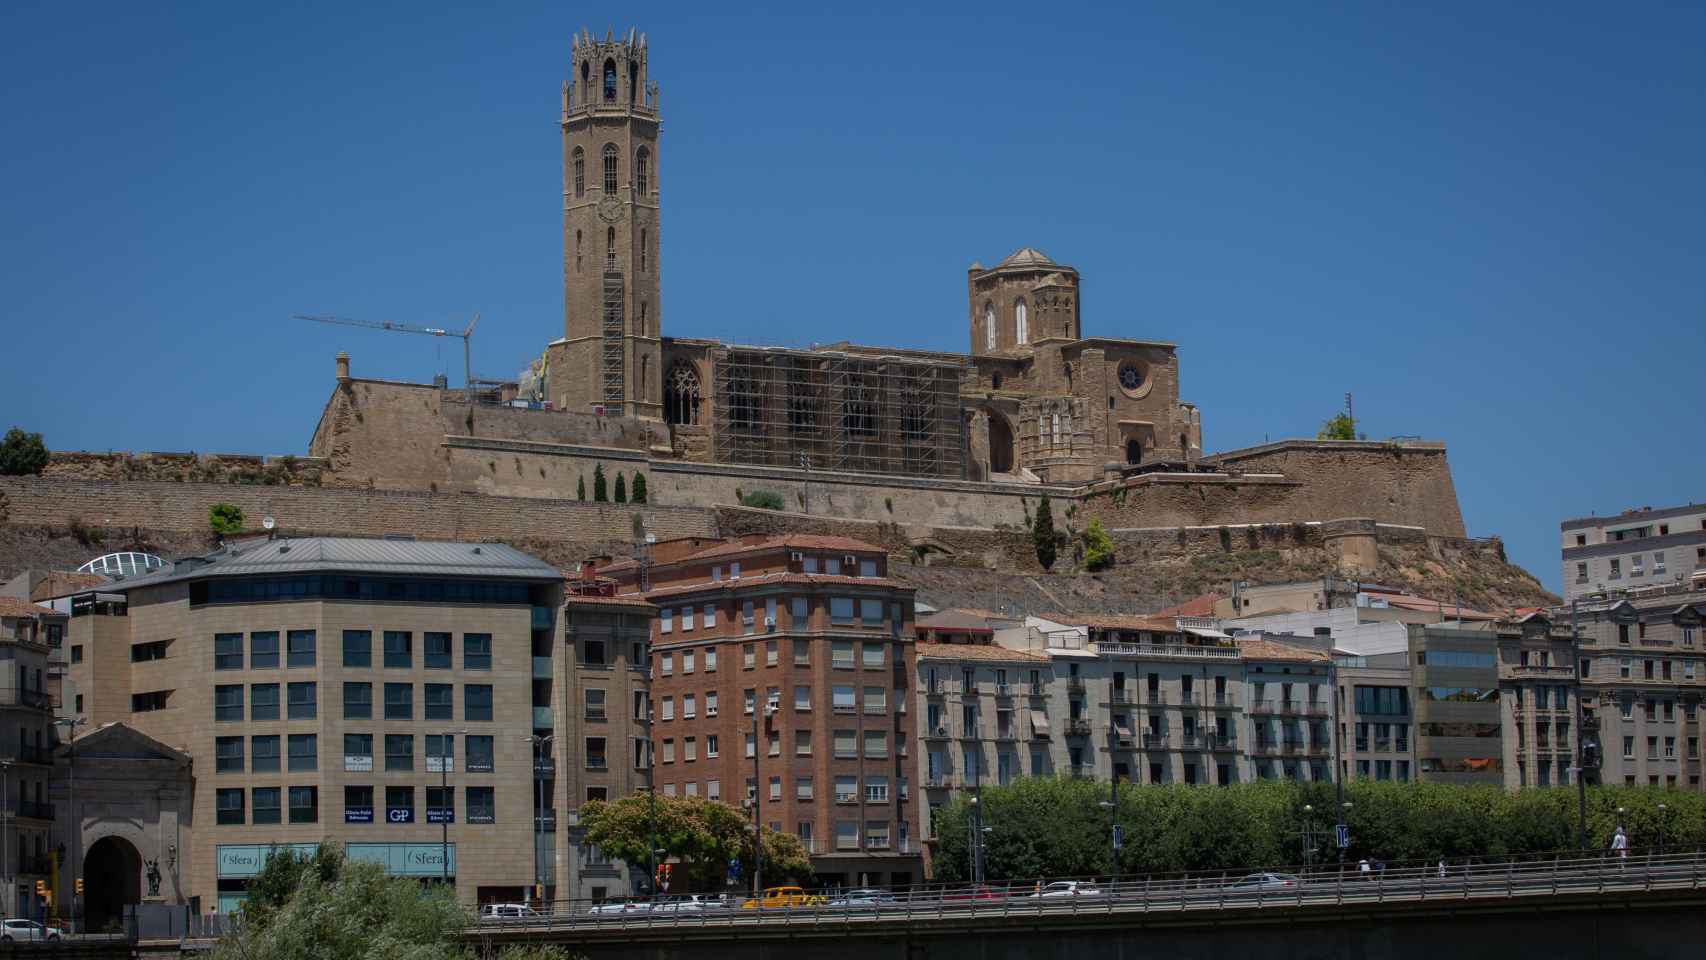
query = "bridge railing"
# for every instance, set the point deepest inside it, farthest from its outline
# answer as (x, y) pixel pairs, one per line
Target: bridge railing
(1534, 875)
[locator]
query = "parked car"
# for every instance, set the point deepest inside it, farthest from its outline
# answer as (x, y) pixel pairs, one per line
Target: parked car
(784, 897)
(863, 898)
(499, 912)
(687, 903)
(1264, 881)
(617, 908)
(1067, 888)
(26, 931)
(979, 892)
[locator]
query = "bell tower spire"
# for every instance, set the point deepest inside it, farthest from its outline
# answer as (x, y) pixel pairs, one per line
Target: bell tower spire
(610, 352)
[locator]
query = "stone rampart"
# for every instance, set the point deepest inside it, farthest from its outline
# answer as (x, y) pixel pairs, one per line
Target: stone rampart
(1403, 482)
(185, 467)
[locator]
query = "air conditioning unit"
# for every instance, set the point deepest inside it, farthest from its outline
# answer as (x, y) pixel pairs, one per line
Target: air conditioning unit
(1125, 742)
(710, 711)
(941, 731)
(770, 621)
(851, 561)
(796, 556)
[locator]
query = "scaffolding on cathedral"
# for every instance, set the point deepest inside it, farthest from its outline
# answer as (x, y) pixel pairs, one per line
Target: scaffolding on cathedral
(838, 412)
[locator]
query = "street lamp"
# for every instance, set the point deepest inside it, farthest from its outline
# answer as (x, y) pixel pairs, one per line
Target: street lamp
(1308, 834)
(1663, 810)
(72, 817)
(1112, 806)
(977, 834)
(651, 805)
(1581, 732)
(758, 801)
(448, 806)
(541, 744)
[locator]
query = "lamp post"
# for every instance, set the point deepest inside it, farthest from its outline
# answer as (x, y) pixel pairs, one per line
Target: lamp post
(652, 805)
(540, 744)
(6, 834)
(758, 802)
(74, 822)
(1581, 733)
(1112, 804)
(1663, 811)
(445, 752)
(1308, 835)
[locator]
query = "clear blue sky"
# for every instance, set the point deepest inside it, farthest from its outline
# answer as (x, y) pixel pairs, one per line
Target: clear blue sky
(1486, 223)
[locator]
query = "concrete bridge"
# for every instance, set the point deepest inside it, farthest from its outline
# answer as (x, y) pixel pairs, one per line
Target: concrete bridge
(1557, 909)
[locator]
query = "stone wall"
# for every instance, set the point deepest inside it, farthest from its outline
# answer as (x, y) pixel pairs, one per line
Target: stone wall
(185, 467)
(152, 505)
(1394, 482)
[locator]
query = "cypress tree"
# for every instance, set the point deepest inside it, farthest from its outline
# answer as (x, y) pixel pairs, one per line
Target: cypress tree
(639, 492)
(621, 488)
(599, 494)
(580, 489)
(1042, 535)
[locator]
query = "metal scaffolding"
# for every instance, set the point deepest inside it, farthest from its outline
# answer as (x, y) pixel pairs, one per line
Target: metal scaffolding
(868, 414)
(615, 342)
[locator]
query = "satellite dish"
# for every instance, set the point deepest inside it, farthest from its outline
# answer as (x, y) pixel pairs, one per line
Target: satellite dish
(268, 522)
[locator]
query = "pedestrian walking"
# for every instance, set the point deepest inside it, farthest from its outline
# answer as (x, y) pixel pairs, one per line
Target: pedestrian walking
(1620, 843)
(1364, 869)
(1442, 868)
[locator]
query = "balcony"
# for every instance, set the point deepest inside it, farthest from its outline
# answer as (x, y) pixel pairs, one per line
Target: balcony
(29, 754)
(1223, 699)
(34, 699)
(1006, 690)
(1555, 671)
(1008, 732)
(938, 732)
(1188, 698)
(1120, 697)
(1265, 746)
(1313, 708)
(1154, 740)
(1081, 771)
(1261, 707)
(1219, 743)
(938, 781)
(38, 866)
(1291, 745)
(1159, 651)
(1155, 696)
(1362, 746)
(1075, 684)
(38, 811)
(1078, 728)
(1190, 741)
(936, 689)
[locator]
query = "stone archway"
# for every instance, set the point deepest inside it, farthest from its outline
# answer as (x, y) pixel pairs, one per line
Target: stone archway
(112, 877)
(1000, 444)
(1133, 450)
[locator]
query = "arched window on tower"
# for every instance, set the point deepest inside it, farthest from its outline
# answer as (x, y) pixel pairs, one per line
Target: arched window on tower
(609, 249)
(577, 251)
(643, 258)
(579, 165)
(1020, 333)
(633, 79)
(989, 326)
(586, 80)
(681, 395)
(644, 320)
(643, 172)
(610, 81)
(610, 168)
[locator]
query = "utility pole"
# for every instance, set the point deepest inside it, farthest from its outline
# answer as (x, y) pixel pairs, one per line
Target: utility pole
(1581, 732)
(539, 743)
(651, 803)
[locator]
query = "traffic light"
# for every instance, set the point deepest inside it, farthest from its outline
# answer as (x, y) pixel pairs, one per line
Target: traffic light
(41, 889)
(79, 886)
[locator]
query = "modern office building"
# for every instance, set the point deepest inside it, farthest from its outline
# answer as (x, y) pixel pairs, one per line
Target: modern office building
(1454, 669)
(376, 694)
(1632, 550)
(781, 674)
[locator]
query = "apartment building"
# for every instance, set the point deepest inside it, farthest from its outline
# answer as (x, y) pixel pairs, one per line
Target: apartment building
(376, 694)
(781, 675)
(1537, 702)
(1290, 706)
(1375, 725)
(26, 752)
(1455, 672)
(1635, 549)
(1643, 674)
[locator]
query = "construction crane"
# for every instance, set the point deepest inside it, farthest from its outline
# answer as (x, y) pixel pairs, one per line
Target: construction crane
(466, 336)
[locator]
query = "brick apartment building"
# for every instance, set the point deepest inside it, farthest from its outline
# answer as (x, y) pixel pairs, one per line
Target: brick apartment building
(780, 675)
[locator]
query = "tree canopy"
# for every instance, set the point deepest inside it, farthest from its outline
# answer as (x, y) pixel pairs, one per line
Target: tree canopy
(1043, 536)
(701, 836)
(599, 494)
(1098, 546)
(22, 454)
(225, 518)
(639, 492)
(1340, 426)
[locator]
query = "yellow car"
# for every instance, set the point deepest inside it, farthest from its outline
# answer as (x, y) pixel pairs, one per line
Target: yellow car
(784, 897)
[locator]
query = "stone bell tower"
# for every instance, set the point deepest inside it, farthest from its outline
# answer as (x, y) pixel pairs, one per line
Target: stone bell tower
(610, 353)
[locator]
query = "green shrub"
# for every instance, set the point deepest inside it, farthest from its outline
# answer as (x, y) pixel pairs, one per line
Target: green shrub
(1098, 547)
(763, 500)
(225, 518)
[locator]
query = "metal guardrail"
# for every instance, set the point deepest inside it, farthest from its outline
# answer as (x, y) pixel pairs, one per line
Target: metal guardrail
(1173, 894)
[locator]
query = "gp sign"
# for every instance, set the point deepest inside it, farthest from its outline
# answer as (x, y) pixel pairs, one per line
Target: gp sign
(400, 815)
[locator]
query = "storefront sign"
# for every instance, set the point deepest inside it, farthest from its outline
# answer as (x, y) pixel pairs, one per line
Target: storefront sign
(441, 814)
(405, 859)
(358, 814)
(247, 859)
(400, 815)
(358, 764)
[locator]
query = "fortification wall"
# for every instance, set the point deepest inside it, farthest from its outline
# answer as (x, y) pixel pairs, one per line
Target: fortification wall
(153, 505)
(1403, 483)
(184, 467)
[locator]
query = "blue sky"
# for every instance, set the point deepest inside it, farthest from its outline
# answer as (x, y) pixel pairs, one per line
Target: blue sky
(1485, 222)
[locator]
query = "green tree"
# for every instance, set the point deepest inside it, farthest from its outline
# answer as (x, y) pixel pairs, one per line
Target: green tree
(599, 494)
(282, 874)
(621, 488)
(1338, 427)
(699, 835)
(763, 500)
(22, 454)
(580, 488)
(1098, 546)
(225, 518)
(359, 913)
(1043, 536)
(639, 487)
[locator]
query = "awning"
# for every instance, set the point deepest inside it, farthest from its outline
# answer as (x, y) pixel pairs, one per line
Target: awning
(1211, 634)
(1039, 722)
(1122, 723)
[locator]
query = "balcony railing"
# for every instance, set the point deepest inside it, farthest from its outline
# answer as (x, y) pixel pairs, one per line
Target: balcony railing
(1219, 742)
(42, 866)
(17, 697)
(1158, 651)
(1187, 698)
(1120, 696)
(1155, 695)
(26, 753)
(1541, 670)
(1075, 684)
(1078, 728)
(1153, 739)
(597, 763)
(1081, 771)
(1313, 708)
(1291, 745)
(1273, 706)
(1190, 740)
(31, 808)
(1223, 699)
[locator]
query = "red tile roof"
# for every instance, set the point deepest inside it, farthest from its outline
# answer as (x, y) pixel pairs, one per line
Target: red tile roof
(975, 651)
(1100, 621)
(1261, 649)
(13, 607)
(779, 577)
(1202, 606)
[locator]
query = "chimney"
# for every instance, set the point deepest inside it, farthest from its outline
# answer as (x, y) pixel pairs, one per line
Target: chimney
(343, 367)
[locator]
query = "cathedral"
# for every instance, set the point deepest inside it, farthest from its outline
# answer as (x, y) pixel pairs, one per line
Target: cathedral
(1032, 400)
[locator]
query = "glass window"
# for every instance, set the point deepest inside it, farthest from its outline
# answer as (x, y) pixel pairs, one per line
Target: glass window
(666, 620)
(399, 649)
(874, 653)
(227, 651)
(841, 654)
(304, 701)
(358, 648)
(228, 754)
(871, 612)
(304, 751)
(358, 804)
(229, 805)
(876, 700)
(399, 701)
(802, 788)
(400, 804)
(359, 748)
(440, 698)
(266, 801)
(482, 805)
(263, 754)
(435, 651)
(439, 748)
(302, 647)
(876, 789)
(710, 613)
(399, 751)
(876, 744)
(263, 701)
(476, 651)
(710, 660)
(477, 701)
(358, 701)
(797, 611)
(802, 697)
(841, 610)
(842, 699)
(263, 650)
(846, 744)
(479, 753)
(228, 702)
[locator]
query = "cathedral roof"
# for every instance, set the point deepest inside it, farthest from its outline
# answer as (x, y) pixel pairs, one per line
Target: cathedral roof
(1026, 257)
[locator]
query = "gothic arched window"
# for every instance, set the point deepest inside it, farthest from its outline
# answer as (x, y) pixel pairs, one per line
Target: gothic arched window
(633, 79)
(643, 258)
(609, 248)
(989, 326)
(610, 81)
(643, 311)
(610, 168)
(580, 172)
(1020, 333)
(642, 172)
(681, 395)
(577, 251)
(586, 80)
